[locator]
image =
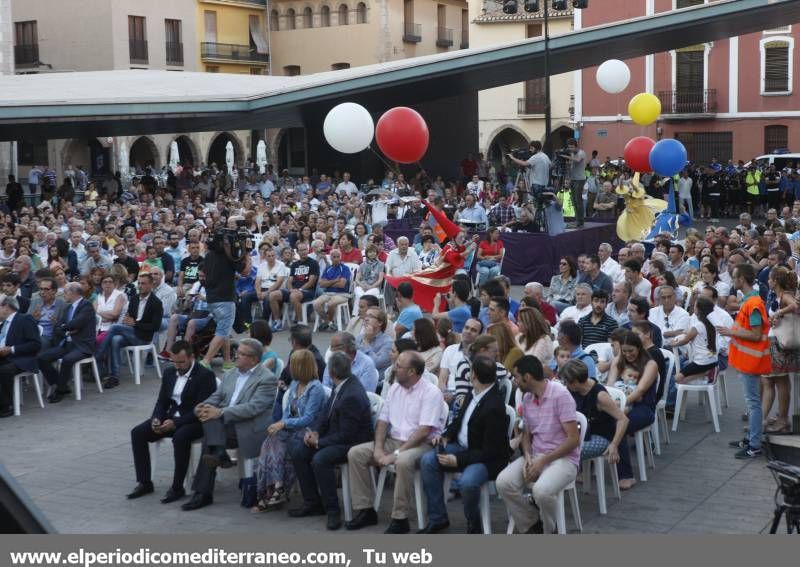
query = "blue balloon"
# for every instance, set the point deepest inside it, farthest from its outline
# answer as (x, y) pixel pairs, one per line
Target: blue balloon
(668, 157)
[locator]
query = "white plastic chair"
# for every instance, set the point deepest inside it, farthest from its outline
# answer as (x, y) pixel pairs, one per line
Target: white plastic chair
(505, 386)
(76, 375)
(194, 460)
(599, 463)
(419, 493)
(605, 353)
(17, 395)
(136, 355)
(661, 424)
(500, 265)
(709, 388)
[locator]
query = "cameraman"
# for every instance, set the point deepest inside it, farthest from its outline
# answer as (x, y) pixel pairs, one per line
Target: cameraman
(538, 173)
(577, 177)
(222, 262)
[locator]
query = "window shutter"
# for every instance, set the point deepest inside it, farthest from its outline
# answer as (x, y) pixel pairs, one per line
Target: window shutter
(776, 67)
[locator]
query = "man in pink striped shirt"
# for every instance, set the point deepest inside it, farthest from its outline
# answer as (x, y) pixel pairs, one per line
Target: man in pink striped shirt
(550, 449)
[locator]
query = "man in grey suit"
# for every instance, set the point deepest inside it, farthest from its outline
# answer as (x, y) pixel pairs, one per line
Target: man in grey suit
(236, 415)
(47, 309)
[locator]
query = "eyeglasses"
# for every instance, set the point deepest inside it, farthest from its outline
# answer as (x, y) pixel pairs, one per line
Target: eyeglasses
(247, 354)
(45, 289)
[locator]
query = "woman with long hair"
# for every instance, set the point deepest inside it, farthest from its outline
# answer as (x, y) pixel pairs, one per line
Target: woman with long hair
(424, 334)
(703, 338)
(634, 361)
(508, 349)
(534, 337)
(301, 405)
(709, 275)
(561, 293)
(362, 235)
(783, 284)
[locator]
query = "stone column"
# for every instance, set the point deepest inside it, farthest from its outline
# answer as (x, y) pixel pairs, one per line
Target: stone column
(8, 150)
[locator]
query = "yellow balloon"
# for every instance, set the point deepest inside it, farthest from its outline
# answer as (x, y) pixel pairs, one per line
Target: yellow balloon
(644, 108)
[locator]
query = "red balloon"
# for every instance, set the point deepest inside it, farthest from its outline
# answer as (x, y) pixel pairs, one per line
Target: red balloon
(637, 154)
(402, 135)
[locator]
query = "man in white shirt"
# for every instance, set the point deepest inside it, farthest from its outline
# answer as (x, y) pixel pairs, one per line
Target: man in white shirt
(473, 211)
(166, 294)
(618, 306)
(402, 260)
(668, 317)
(475, 187)
(633, 275)
(582, 307)
(346, 186)
(719, 318)
(685, 192)
(271, 276)
(608, 265)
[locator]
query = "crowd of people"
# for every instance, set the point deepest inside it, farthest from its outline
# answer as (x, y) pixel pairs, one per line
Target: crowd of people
(447, 376)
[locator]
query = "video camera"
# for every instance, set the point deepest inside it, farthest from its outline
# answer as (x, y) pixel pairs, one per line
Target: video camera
(239, 239)
(522, 154)
(788, 478)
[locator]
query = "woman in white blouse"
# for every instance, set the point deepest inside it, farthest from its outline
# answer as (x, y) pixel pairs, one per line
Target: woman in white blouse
(534, 337)
(109, 304)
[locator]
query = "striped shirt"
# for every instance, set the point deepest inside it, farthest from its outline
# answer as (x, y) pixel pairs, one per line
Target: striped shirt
(544, 416)
(599, 332)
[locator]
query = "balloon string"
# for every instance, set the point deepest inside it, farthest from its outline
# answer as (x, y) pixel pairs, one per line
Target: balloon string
(394, 168)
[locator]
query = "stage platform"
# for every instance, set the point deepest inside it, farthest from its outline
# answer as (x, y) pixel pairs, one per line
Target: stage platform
(533, 257)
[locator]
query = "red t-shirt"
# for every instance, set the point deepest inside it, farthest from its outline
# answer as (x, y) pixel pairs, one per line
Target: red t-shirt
(352, 257)
(491, 249)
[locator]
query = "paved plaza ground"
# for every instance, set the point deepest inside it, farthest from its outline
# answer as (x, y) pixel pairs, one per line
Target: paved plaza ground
(74, 459)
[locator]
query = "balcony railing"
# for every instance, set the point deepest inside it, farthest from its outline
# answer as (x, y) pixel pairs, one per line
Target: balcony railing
(412, 33)
(26, 55)
(232, 52)
(174, 53)
(533, 104)
(138, 49)
(464, 39)
(689, 101)
(444, 37)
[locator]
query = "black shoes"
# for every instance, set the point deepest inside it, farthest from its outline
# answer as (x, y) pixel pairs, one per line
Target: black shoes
(172, 495)
(364, 518)
(198, 501)
(398, 527)
(58, 395)
(307, 510)
(434, 528)
(142, 489)
(334, 521)
(217, 458)
(110, 382)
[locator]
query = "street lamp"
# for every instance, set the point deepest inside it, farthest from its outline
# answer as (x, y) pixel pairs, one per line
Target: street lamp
(532, 6)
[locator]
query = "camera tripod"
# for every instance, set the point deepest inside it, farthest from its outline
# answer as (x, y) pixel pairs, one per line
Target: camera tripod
(792, 517)
(787, 495)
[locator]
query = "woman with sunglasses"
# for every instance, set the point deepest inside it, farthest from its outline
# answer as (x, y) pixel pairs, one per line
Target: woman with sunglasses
(561, 293)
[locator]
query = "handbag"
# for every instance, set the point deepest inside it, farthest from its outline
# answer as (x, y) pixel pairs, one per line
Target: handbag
(787, 332)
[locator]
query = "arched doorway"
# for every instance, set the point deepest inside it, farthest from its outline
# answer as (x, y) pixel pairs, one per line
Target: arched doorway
(188, 155)
(506, 140)
(292, 150)
(77, 153)
(143, 153)
(216, 151)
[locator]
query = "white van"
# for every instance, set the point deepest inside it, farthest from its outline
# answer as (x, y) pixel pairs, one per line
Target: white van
(780, 161)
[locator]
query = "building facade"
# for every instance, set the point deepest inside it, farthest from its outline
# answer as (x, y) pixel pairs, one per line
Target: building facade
(8, 150)
(728, 99)
(512, 116)
(233, 36)
(98, 35)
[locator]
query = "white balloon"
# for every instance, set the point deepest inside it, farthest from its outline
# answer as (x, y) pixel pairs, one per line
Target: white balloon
(613, 76)
(349, 128)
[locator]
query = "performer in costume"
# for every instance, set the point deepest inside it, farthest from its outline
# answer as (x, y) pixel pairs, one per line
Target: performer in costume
(638, 217)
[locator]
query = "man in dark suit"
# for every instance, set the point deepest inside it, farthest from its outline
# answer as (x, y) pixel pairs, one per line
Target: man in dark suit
(19, 345)
(74, 339)
(137, 328)
(475, 443)
(345, 421)
(183, 386)
(10, 287)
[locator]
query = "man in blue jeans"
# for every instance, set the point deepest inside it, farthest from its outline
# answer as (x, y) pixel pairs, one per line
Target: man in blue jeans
(475, 444)
(137, 328)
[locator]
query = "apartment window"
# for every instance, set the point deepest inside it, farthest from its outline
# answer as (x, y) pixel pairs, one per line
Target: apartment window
(174, 42)
(702, 146)
(308, 18)
(26, 44)
(137, 39)
(31, 153)
(361, 13)
(776, 137)
(290, 18)
(464, 29)
(258, 40)
(212, 68)
(256, 71)
(325, 17)
(210, 22)
(686, 3)
(291, 70)
(534, 30)
(340, 66)
(776, 65)
(274, 20)
(343, 15)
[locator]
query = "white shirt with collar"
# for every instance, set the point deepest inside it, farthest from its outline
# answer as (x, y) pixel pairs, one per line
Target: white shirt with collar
(7, 327)
(612, 269)
(463, 437)
(677, 320)
(451, 357)
(180, 384)
(142, 305)
(241, 380)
